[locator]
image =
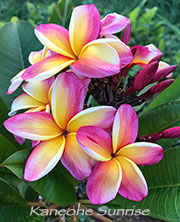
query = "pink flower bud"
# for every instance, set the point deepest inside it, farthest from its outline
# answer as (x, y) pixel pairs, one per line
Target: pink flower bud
(126, 34)
(173, 132)
(145, 76)
(162, 73)
(159, 87)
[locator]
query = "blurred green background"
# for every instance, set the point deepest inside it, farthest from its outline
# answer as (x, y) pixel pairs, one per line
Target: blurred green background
(153, 21)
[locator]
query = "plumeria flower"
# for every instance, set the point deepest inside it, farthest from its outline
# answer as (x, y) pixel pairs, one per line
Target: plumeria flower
(117, 170)
(144, 54)
(57, 131)
(34, 57)
(113, 23)
(79, 47)
(36, 97)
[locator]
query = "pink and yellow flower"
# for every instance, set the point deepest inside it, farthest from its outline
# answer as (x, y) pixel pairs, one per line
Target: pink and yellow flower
(80, 47)
(117, 170)
(57, 131)
(113, 23)
(34, 57)
(36, 97)
(144, 54)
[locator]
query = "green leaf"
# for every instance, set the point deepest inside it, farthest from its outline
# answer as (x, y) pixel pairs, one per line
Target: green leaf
(4, 132)
(18, 214)
(17, 41)
(56, 187)
(163, 180)
(62, 13)
(13, 207)
(9, 177)
(159, 118)
(9, 196)
(148, 16)
(3, 117)
(16, 162)
(6, 148)
(134, 14)
(167, 143)
(169, 94)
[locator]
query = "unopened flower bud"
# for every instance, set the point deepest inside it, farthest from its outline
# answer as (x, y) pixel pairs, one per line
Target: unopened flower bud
(145, 76)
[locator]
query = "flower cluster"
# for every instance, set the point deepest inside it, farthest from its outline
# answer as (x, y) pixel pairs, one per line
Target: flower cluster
(98, 143)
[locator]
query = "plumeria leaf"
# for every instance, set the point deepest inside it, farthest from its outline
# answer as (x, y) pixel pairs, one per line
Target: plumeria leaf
(17, 41)
(59, 183)
(9, 196)
(169, 94)
(13, 206)
(18, 213)
(159, 118)
(169, 142)
(3, 117)
(163, 200)
(4, 133)
(7, 149)
(9, 177)
(62, 13)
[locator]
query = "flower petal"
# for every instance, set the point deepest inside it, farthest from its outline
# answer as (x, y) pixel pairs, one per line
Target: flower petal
(133, 184)
(46, 68)
(84, 26)
(142, 153)
(37, 109)
(145, 76)
(19, 139)
(67, 98)
(157, 88)
(104, 182)
(85, 80)
(39, 89)
(24, 101)
(98, 59)
(126, 34)
(96, 142)
(15, 82)
(35, 56)
(44, 158)
(173, 132)
(100, 116)
(125, 127)
(77, 162)
(35, 143)
(33, 126)
(164, 70)
(124, 53)
(144, 54)
(56, 38)
(113, 23)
